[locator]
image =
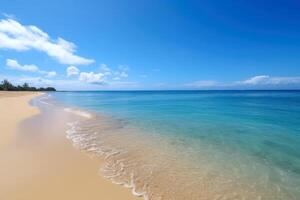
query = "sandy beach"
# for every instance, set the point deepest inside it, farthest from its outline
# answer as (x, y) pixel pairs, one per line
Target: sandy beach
(45, 166)
(14, 108)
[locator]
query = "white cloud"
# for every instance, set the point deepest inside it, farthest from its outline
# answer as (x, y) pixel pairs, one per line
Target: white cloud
(124, 74)
(35, 81)
(67, 84)
(72, 70)
(16, 36)
(268, 80)
(50, 74)
(91, 77)
(106, 75)
(203, 84)
(121, 72)
(105, 69)
(13, 64)
(255, 82)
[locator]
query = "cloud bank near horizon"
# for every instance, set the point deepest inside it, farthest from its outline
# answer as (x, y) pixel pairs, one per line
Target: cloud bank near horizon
(95, 81)
(255, 82)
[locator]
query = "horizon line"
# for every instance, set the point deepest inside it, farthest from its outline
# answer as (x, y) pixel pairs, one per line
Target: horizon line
(154, 90)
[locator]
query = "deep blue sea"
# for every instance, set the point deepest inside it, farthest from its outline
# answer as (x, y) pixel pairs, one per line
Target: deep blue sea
(215, 144)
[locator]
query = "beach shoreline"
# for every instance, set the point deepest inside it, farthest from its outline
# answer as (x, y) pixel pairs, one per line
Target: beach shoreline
(41, 163)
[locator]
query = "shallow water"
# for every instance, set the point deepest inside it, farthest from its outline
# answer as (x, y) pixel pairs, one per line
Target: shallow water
(192, 144)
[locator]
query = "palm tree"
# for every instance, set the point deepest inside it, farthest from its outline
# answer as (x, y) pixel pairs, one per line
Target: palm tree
(6, 85)
(25, 86)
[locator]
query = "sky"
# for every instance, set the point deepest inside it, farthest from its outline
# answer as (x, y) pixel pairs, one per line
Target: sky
(151, 45)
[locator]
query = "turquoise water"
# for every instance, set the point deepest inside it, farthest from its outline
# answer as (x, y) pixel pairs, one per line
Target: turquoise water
(246, 142)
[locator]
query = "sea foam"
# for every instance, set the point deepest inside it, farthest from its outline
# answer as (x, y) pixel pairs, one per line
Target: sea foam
(78, 112)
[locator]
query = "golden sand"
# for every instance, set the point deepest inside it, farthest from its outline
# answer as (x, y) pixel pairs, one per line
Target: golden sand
(45, 167)
(13, 109)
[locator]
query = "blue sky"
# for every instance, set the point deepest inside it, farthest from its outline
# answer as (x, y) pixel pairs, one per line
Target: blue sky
(112, 45)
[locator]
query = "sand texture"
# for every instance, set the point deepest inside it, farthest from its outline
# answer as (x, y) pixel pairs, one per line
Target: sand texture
(40, 163)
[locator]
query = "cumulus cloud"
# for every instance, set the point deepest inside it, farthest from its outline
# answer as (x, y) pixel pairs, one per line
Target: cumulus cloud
(16, 36)
(72, 70)
(105, 76)
(91, 77)
(115, 74)
(14, 64)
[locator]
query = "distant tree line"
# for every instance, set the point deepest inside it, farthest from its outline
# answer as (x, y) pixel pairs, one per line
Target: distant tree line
(7, 86)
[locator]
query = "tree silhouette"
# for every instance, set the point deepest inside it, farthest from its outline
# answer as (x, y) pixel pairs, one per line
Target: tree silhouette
(7, 86)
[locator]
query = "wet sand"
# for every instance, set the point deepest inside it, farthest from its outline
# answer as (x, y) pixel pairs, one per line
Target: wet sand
(38, 162)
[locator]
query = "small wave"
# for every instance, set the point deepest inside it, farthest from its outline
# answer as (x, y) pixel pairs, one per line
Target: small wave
(88, 142)
(43, 99)
(79, 112)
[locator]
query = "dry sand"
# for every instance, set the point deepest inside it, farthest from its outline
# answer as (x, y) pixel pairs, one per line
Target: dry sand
(13, 109)
(42, 167)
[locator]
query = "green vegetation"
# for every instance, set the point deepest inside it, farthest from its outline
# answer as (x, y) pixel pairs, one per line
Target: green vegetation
(7, 86)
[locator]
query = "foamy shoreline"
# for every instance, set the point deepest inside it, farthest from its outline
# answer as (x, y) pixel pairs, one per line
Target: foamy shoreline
(40, 163)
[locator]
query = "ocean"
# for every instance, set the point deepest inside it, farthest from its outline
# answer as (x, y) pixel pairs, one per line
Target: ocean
(192, 144)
